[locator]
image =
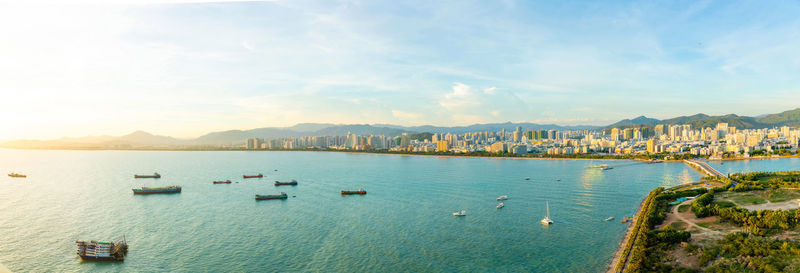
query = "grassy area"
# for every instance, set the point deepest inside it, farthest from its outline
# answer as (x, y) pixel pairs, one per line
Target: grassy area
(781, 195)
(684, 208)
(679, 225)
(756, 197)
(725, 204)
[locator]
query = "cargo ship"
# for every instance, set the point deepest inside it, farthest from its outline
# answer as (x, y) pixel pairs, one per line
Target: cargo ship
(283, 195)
(359, 191)
(102, 251)
(147, 190)
(253, 176)
(17, 175)
(154, 175)
(222, 182)
(289, 183)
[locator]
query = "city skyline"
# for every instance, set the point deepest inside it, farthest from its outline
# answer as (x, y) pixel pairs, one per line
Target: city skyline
(190, 68)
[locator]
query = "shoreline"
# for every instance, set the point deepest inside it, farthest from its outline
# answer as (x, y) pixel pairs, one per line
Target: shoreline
(612, 265)
(393, 153)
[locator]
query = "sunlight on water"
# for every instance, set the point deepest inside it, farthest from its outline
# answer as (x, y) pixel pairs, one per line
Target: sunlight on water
(403, 224)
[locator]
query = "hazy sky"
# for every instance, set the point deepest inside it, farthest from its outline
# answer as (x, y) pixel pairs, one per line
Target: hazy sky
(183, 69)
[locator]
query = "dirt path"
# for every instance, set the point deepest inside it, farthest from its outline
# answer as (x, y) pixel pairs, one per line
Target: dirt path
(785, 205)
(692, 223)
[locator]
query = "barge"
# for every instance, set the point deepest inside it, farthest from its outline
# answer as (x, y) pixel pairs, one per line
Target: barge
(17, 175)
(222, 182)
(148, 190)
(359, 191)
(102, 251)
(253, 176)
(154, 175)
(283, 195)
(289, 183)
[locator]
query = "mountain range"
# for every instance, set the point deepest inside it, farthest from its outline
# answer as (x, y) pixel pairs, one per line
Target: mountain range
(141, 139)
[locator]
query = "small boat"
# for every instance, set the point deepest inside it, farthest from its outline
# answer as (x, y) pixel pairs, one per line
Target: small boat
(527, 178)
(606, 168)
(546, 220)
(289, 183)
(222, 182)
(359, 191)
(558, 179)
(253, 176)
(460, 213)
(609, 218)
(102, 251)
(154, 175)
(17, 175)
(283, 195)
(500, 206)
(502, 197)
(147, 190)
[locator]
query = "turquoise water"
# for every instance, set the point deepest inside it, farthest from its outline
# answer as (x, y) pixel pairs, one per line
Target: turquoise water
(775, 164)
(404, 224)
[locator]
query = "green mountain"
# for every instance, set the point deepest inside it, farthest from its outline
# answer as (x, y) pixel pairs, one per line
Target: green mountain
(786, 118)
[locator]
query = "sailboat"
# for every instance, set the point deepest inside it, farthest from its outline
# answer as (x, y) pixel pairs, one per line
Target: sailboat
(546, 220)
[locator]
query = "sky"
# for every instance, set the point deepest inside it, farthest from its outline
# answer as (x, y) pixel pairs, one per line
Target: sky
(185, 68)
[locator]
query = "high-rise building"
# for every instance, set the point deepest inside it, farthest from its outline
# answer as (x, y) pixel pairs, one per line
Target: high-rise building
(442, 146)
(651, 145)
(615, 134)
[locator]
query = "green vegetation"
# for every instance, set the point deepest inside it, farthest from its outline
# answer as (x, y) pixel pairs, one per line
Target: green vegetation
(743, 252)
(753, 250)
(762, 180)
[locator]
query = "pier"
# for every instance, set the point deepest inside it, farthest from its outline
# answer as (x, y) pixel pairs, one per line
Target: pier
(704, 168)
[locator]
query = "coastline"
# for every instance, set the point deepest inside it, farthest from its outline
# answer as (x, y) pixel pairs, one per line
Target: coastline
(4, 269)
(391, 153)
(612, 265)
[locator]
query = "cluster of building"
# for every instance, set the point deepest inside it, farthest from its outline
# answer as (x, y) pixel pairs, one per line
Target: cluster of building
(719, 141)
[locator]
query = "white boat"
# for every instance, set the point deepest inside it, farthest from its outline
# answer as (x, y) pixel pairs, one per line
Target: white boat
(502, 197)
(610, 218)
(460, 213)
(546, 220)
(500, 205)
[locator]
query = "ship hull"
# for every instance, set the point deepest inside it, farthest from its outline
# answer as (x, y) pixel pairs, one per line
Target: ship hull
(285, 184)
(252, 176)
(154, 192)
(353, 192)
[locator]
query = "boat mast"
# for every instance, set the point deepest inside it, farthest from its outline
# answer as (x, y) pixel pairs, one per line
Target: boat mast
(548, 209)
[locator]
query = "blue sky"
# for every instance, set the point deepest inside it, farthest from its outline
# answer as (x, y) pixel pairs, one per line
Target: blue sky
(183, 69)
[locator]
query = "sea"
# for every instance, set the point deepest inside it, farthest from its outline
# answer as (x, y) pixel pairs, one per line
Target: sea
(403, 224)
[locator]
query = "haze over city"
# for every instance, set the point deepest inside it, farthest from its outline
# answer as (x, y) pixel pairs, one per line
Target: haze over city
(188, 68)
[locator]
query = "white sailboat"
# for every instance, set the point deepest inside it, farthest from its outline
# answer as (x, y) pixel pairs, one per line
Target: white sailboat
(546, 220)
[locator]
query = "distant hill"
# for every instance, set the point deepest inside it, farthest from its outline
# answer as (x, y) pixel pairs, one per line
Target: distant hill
(786, 118)
(641, 120)
(140, 139)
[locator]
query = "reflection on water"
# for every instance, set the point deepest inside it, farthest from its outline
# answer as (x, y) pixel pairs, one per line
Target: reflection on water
(404, 224)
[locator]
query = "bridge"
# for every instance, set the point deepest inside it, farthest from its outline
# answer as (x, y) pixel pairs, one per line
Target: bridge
(704, 168)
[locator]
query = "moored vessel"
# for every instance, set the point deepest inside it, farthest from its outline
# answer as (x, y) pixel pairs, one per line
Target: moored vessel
(359, 191)
(17, 175)
(546, 220)
(502, 197)
(149, 190)
(288, 183)
(283, 195)
(253, 176)
(154, 175)
(222, 182)
(102, 251)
